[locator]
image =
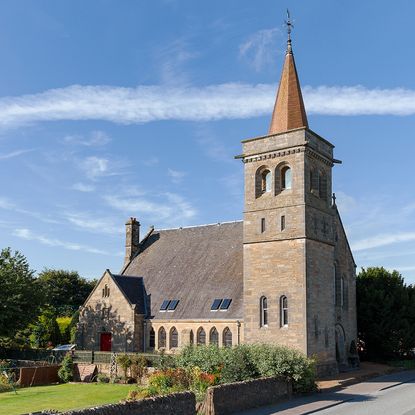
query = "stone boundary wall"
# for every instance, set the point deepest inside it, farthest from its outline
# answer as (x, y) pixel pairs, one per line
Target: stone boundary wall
(174, 404)
(38, 375)
(234, 397)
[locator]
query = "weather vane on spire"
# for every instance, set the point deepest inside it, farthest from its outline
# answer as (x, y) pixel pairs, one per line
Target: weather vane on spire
(289, 25)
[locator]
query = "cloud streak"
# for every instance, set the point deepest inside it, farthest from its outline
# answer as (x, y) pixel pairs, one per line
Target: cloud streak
(225, 101)
(24, 233)
(383, 240)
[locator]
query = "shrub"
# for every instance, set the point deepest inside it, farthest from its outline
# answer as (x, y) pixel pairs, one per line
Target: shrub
(124, 361)
(238, 365)
(165, 361)
(291, 364)
(103, 378)
(138, 367)
(207, 358)
(65, 372)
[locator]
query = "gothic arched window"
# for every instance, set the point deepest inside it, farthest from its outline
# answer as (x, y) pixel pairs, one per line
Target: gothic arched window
(263, 305)
(227, 337)
(191, 338)
(214, 336)
(174, 338)
(284, 311)
(162, 338)
(286, 178)
(201, 337)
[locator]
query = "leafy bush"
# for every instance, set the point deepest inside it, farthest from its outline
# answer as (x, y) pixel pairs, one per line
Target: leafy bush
(124, 360)
(207, 358)
(238, 365)
(102, 378)
(65, 372)
(291, 364)
(251, 361)
(138, 367)
(165, 361)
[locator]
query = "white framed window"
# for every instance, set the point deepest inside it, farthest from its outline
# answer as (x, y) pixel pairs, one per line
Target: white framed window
(284, 311)
(263, 305)
(286, 178)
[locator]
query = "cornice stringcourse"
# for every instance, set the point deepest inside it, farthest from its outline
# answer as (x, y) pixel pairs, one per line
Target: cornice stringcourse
(315, 155)
(273, 155)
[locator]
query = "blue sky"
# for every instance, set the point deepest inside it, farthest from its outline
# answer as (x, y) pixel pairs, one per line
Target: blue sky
(113, 109)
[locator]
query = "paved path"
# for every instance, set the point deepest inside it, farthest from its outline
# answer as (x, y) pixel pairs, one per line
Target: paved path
(389, 394)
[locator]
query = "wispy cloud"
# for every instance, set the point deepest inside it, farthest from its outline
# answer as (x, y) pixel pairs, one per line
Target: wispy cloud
(82, 187)
(95, 167)
(383, 240)
(163, 209)
(93, 223)
(7, 204)
(14, 154)
(260, 47)
(95, 138)
(27, 234)
(176, 176)
(226, 101)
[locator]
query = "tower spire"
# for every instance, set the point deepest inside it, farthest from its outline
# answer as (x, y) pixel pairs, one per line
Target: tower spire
(289, 111)
(289, 25)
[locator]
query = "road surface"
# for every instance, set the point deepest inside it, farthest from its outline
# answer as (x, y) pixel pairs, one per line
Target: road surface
(391, 394)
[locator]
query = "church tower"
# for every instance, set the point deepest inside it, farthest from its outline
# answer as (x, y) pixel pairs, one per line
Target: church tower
(299, 272)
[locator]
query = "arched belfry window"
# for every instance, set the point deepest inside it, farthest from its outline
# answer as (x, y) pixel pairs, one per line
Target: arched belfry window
(323, 186)
(263, 181)
(266, 181)
(286, 178)
(263, 306)
(284, 311)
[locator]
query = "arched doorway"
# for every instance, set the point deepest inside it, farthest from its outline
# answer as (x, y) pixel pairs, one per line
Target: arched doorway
(341, 354)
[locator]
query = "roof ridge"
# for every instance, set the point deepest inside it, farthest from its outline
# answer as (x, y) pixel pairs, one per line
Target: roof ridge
(199, 226)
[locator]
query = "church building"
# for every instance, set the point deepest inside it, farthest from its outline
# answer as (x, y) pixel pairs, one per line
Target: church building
(283, 275)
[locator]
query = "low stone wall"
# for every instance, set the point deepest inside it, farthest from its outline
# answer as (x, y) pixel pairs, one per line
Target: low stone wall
(234, 397)
(39, 375)
(174, 404)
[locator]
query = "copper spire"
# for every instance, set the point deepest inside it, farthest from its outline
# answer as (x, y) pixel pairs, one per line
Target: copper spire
(289, 111)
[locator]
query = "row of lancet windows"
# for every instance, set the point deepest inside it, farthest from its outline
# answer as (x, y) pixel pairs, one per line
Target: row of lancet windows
(264, 315)
(105, 291)
(283, 181)
(201, 338)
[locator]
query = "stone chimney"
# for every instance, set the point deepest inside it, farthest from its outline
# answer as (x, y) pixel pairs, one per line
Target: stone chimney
(132, 239)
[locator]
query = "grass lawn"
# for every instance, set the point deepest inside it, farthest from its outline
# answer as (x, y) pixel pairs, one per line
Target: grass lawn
(61, 397)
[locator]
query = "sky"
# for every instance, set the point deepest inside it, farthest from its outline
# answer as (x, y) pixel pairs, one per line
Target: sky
(113, 109)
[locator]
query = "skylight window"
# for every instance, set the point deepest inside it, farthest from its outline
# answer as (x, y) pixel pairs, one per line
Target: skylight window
(164, 305)
(225, 304)
(216, 304)
(221, 304)
(172, 305)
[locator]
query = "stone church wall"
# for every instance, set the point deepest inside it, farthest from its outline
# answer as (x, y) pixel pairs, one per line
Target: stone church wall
(108, 314)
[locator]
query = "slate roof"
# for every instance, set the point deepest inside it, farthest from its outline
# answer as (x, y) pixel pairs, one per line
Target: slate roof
(194, 265)
(133, 289)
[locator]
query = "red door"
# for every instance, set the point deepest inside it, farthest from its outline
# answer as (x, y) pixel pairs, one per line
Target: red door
(105, 342)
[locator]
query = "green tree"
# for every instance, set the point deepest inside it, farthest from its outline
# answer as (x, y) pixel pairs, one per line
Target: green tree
(45, 331)
(64, 290)
(385, 325)
(20, 294)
